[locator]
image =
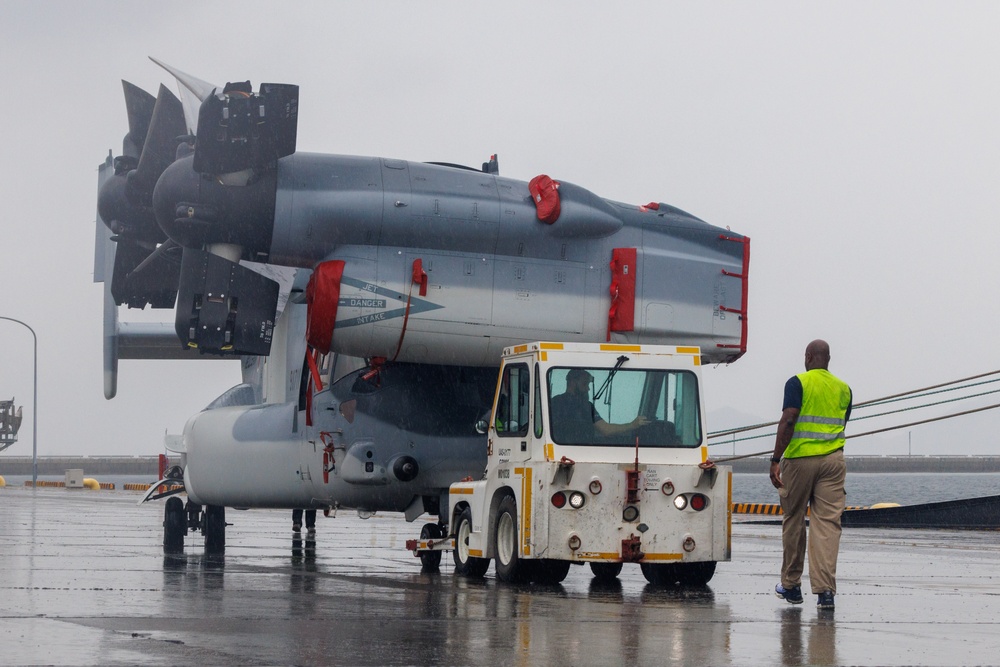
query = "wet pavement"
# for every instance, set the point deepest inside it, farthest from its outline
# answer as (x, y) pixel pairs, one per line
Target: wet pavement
(84, 581)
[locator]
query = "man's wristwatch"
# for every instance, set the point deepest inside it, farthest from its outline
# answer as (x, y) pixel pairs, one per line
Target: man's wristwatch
(774, 460)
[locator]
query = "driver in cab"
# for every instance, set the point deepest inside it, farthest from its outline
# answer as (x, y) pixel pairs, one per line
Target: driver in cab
(574, 418)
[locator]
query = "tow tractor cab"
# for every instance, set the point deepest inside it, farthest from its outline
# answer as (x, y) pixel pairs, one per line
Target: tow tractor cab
(596, 454)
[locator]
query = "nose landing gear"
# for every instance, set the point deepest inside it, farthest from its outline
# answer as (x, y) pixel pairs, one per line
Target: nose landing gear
(179, 518)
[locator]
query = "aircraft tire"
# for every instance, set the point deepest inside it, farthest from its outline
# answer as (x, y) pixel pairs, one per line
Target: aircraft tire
(174, 526)
(606, 571)
(509, 566)
(430, 561)
(466, 565)
(215, 529)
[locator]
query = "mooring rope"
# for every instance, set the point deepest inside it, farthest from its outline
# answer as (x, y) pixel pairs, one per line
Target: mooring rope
(861, 435)
(906, 395)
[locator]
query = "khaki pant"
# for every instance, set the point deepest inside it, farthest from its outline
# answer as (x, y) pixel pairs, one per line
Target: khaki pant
(817, 483)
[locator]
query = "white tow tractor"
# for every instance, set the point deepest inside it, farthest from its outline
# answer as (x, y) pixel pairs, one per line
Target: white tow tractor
(596, 454)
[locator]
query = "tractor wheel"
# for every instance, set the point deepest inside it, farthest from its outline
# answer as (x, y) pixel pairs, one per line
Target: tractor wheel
(430, 561)
(465, 564)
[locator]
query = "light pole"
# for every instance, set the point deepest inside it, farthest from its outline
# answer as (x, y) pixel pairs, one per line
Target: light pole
(34, 406)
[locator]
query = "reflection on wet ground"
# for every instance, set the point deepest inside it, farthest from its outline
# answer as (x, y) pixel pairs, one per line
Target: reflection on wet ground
(85, 581)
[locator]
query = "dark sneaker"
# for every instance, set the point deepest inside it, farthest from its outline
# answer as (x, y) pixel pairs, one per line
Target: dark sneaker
(793, 594)
(296, 527)
(825, 600)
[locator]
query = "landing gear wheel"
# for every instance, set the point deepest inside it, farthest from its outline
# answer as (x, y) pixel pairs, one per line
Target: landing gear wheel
(215, 529)
(695, 574)
(606, 571)
(506, 545)
(550, 572)
(430, 561)
(660, 574)
(469, 566)
(193, 513)
(174, 526)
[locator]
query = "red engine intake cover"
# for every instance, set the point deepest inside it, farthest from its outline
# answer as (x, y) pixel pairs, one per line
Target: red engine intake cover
(322, 296)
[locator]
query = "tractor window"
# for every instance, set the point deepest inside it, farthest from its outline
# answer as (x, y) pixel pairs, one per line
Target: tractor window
(512, 403)
(539, 429)
(659, 407)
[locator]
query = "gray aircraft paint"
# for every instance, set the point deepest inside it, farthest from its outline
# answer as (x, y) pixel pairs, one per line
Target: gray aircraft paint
(496, 276)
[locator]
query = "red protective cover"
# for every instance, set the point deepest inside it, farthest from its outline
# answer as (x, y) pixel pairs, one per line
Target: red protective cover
(545, 193)
(742, 347)
(322, 297)
(621, 317)
(419, 276)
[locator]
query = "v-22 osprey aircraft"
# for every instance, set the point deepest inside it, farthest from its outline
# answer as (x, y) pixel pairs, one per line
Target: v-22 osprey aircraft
(368, 299)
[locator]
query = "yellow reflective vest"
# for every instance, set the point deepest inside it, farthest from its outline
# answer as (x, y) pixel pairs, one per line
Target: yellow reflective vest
(819, 429)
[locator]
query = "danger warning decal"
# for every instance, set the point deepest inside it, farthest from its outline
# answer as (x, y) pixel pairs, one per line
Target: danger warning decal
(392, 304)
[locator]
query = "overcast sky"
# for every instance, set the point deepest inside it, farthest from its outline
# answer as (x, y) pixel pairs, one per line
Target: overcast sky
(857, 144)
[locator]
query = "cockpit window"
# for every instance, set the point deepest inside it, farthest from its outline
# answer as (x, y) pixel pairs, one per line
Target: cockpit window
(659, 407)
(443, 401)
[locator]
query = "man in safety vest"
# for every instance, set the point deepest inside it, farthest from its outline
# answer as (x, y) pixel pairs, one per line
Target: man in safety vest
(810, 437)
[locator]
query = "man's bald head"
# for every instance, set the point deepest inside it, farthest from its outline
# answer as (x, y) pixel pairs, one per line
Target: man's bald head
(817, 355)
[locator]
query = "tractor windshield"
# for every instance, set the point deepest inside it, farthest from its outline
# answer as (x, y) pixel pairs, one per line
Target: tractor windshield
(660, 407)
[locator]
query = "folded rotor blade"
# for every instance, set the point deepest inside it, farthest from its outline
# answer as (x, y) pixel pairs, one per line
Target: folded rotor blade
(139, 106)
(162, 251)
(193, 91)
(166, 128)
(201, 89)
(137, 282)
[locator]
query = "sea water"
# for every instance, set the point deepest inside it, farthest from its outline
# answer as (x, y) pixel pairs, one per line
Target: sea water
(868, 488)
(862, 488)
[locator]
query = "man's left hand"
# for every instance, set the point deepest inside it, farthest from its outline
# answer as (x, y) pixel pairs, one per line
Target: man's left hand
(776, 475)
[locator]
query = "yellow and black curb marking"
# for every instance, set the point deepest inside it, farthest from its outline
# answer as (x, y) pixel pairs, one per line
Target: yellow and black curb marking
(772, 509)
(88, 483)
